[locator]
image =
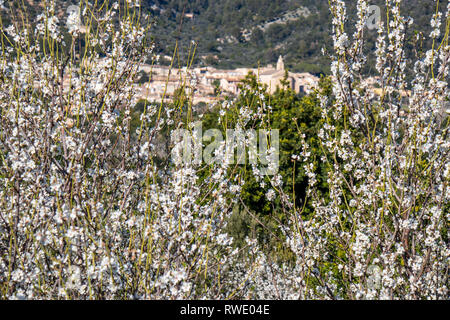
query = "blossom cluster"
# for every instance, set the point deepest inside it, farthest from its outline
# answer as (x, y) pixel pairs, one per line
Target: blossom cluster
(386, 155)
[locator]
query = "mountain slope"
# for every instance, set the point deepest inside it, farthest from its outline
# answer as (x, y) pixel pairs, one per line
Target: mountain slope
(235, 33)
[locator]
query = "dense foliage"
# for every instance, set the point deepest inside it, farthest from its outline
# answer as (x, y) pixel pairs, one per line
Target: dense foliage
(228, 33)
(299, 40)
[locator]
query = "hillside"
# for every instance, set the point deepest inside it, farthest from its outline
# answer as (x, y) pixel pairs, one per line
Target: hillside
(237, 33)
(233, 33)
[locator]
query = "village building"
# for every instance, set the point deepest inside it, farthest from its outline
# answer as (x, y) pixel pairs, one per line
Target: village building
(299, 82)
(204, 81)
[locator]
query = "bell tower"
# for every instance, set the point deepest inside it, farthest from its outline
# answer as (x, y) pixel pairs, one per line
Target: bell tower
(280, 63)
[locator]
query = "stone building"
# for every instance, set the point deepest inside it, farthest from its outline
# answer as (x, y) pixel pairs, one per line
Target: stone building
(202, 81)
(299, 82)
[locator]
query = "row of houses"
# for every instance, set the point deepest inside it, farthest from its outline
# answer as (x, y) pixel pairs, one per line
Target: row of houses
(208, 84)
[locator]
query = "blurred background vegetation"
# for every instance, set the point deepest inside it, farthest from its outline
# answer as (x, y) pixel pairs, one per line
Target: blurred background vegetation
(251, 33)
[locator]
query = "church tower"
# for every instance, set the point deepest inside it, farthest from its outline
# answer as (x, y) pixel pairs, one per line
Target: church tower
(280, 64)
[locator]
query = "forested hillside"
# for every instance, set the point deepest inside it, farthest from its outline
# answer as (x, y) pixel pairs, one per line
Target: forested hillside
(235, 33)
